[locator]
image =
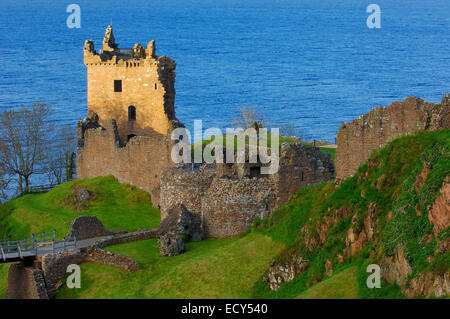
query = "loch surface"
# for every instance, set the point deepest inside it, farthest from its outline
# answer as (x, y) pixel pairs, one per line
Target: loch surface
(313, 63)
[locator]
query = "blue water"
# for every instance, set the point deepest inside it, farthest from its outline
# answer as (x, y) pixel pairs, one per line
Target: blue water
(312, 62)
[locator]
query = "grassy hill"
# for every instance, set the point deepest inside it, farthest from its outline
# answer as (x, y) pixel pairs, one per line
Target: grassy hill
(385, 187)
(384, 192)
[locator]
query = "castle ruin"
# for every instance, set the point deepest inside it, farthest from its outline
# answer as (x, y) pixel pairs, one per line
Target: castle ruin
(127, 134)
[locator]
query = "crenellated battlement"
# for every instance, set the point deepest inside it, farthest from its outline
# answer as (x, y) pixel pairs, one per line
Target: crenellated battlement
(111, 54)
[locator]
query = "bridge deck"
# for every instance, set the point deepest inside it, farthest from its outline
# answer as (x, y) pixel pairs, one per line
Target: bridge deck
(46, 248)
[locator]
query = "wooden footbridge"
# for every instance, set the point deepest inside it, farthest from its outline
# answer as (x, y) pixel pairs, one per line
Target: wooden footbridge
(36, 245)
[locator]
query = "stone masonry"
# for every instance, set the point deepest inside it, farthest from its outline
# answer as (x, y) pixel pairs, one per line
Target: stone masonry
(118, 79)
(229, 196)
(131, 98)
(356, 140)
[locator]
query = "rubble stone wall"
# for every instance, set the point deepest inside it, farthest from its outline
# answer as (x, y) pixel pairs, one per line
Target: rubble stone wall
(25, 283)
(140, 162)
(228, 203)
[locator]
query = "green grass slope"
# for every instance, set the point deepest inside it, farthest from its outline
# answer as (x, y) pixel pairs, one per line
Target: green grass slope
(342, 285)
(387, 181)
(212, 268)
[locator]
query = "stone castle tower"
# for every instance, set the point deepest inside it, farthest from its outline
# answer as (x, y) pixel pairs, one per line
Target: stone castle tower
(133, 86)
(131, 114)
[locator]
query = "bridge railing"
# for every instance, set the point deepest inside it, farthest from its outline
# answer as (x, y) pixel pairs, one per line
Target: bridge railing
(33, 244)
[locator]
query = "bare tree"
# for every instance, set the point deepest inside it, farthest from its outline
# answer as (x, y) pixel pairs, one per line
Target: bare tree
(288, 129)
(4, 183)
(60, 163)
(24, 134)
(248, 116)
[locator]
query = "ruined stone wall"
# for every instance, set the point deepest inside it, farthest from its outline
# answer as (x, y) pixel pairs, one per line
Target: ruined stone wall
(140, 162)
(104, 257)
(230, 206)
(87, 227)
(182, 185)
(54, 267)
(357, 139)
(300, 166)
(229, 196)
(127, 238)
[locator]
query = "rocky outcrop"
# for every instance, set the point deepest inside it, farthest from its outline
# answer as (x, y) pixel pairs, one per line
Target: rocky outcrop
(79, 198)
(280, 273)
(395, 268)
(439, 215)
(356, 240)
(428, 285)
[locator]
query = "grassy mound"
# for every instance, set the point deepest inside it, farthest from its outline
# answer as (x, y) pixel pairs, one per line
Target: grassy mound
(118, 206)
(387, 185)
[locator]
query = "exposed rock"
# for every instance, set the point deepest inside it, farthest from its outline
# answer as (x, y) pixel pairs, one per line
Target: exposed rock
(287, 271)
(439, 215)
(395, 268)
(170, 245)
(328, 267)
(420, 179)
(356, 241)
(78, 198)
(311, 241)
(428, 285)
(444, 247)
